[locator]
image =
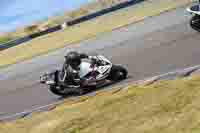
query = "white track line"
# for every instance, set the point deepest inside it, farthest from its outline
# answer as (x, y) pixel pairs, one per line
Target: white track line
(27, 112)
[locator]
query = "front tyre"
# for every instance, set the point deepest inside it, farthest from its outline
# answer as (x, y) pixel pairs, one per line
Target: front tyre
(195, 22)
(118, 73)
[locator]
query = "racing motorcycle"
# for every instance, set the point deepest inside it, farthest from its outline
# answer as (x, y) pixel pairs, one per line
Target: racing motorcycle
(91, 75)
(195, 20)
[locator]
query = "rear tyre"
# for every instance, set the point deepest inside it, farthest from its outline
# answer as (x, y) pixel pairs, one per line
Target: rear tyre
(63, 92)
(57, 91)
(118, 73)
(80, 91)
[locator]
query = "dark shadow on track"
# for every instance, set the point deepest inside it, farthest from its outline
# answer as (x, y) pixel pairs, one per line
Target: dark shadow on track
(92, 90)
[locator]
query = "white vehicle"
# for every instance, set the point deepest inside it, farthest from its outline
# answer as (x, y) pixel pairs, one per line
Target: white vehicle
(195, 20)
(91, 74)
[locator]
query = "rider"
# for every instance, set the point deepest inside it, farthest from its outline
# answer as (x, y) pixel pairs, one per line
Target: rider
(70, 71)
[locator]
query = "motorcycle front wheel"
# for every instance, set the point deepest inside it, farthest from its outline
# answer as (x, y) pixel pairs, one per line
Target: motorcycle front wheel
(195, 22)
(118, 73)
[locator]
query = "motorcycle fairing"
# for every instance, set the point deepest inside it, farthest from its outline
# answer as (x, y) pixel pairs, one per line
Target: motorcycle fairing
(194, 9)
(85, 68)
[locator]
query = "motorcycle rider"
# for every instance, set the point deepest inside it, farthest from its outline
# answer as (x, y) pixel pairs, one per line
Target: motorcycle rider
(70, 70)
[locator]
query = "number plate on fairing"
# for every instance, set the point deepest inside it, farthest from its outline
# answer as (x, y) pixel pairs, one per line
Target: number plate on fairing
(102, 69)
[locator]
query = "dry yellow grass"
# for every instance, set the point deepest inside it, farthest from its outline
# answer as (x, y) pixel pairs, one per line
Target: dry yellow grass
(86, 30)
(166, 106)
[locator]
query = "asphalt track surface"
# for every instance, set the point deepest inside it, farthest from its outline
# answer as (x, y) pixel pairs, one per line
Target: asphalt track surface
(154, 46)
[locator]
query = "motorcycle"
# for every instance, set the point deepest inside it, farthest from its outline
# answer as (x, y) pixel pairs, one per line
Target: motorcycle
(91, 75)
(195, 20)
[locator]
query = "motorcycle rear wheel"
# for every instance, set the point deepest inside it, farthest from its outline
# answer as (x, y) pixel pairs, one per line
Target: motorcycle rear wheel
(62, 92)
(56, 91)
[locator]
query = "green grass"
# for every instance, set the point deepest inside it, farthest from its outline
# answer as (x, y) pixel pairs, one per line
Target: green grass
(5, 39)
(166, 106)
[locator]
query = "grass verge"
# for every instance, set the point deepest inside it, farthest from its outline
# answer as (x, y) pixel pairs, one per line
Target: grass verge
(5, 39)
(166, 106)
(86, 30)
